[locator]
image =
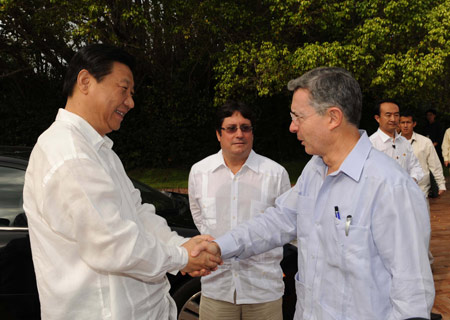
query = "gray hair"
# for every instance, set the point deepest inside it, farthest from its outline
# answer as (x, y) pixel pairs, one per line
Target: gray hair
(331, 86)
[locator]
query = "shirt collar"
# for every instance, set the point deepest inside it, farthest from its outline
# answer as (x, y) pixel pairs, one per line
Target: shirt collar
(385, 137)
(251, 162)
(85, 128)
(353, 164)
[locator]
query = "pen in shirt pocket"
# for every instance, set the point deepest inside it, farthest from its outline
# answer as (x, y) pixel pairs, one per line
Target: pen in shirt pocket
(336, 212)
(348, 222)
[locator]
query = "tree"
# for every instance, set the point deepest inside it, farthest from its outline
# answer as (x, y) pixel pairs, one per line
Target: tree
(193, 55)
(394, 48)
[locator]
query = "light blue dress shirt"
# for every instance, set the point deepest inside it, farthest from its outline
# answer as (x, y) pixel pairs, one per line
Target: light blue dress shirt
(380, 270)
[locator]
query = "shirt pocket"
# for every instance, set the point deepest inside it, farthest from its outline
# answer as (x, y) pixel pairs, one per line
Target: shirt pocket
(300, 292)
(354, 244)
(209, 212)
(257, 207)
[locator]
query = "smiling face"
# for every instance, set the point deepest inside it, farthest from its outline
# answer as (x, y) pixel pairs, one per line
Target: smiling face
(307, 124)
(237, 145)
(112, 98)
(388, 118)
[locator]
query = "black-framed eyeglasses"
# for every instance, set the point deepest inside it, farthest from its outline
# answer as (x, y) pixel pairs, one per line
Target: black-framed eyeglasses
(245, 128)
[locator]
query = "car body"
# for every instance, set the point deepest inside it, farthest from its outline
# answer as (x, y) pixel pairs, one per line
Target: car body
(18, 291)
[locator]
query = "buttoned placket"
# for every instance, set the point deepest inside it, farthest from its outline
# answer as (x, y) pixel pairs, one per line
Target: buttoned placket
(234, 199)
(234, 222)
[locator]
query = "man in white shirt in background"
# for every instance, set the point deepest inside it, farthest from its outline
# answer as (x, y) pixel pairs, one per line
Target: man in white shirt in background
(425, 152)
(446, 147)
(98, 252)
(387, 140)
(225, 189)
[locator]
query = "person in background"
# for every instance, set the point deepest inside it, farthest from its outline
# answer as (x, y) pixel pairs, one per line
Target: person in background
(429, 161)
(228, 188)
(434, 130)
(387, 140)
(360, 221)
(98, 252)
(446, 147)
(424, 151)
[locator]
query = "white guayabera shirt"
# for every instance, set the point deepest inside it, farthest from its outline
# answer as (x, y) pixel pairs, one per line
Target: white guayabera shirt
(400, 150)
(98, 252)
(221, 200)
(429, 161)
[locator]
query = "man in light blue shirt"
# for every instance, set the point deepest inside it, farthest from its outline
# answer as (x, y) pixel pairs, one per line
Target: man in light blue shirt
(360, 221)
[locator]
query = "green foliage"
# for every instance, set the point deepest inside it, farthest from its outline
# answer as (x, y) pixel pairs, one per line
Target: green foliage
(162, 178)
(394, 48)
(193, 55)
(177, 178)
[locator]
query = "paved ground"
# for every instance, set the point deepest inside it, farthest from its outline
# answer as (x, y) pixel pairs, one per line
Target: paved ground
(440, 248)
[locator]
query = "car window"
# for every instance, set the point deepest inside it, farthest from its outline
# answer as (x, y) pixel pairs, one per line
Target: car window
(11, 200)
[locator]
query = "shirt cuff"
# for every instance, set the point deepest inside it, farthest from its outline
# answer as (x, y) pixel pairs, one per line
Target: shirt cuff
(228, 246)
(184, 258)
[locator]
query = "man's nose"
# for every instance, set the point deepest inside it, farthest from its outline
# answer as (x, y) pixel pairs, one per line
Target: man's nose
(239, 132)
(129, 102)
(293, 127)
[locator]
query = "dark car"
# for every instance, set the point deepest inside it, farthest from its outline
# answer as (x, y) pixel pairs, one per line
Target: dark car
(18, 292)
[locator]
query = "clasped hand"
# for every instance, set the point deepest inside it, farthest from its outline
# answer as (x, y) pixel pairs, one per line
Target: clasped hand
(204, 256)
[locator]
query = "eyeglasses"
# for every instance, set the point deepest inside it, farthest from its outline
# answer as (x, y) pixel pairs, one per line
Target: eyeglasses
(301, 118)
(245, 128)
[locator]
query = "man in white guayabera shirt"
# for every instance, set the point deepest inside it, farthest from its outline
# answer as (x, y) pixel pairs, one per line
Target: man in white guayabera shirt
(360, 221)
(98, 252)
(225, 189)
(387, 140)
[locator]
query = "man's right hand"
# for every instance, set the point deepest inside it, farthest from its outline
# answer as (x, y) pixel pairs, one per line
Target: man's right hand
(203, 261)
(446, 163)
(208, 246)
(205, 247)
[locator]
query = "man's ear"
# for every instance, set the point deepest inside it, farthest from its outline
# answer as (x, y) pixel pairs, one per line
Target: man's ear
(83, 81)
(336, 116)
(377, 118)
(218, 134)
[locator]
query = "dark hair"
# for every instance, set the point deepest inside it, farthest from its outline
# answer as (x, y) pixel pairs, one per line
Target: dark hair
(433, 111)
(408, 113)
(376, 110)
(228, 109)
(331, 86)
(97, 59)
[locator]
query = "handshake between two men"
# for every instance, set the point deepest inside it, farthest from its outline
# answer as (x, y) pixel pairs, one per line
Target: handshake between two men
(204, 256)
